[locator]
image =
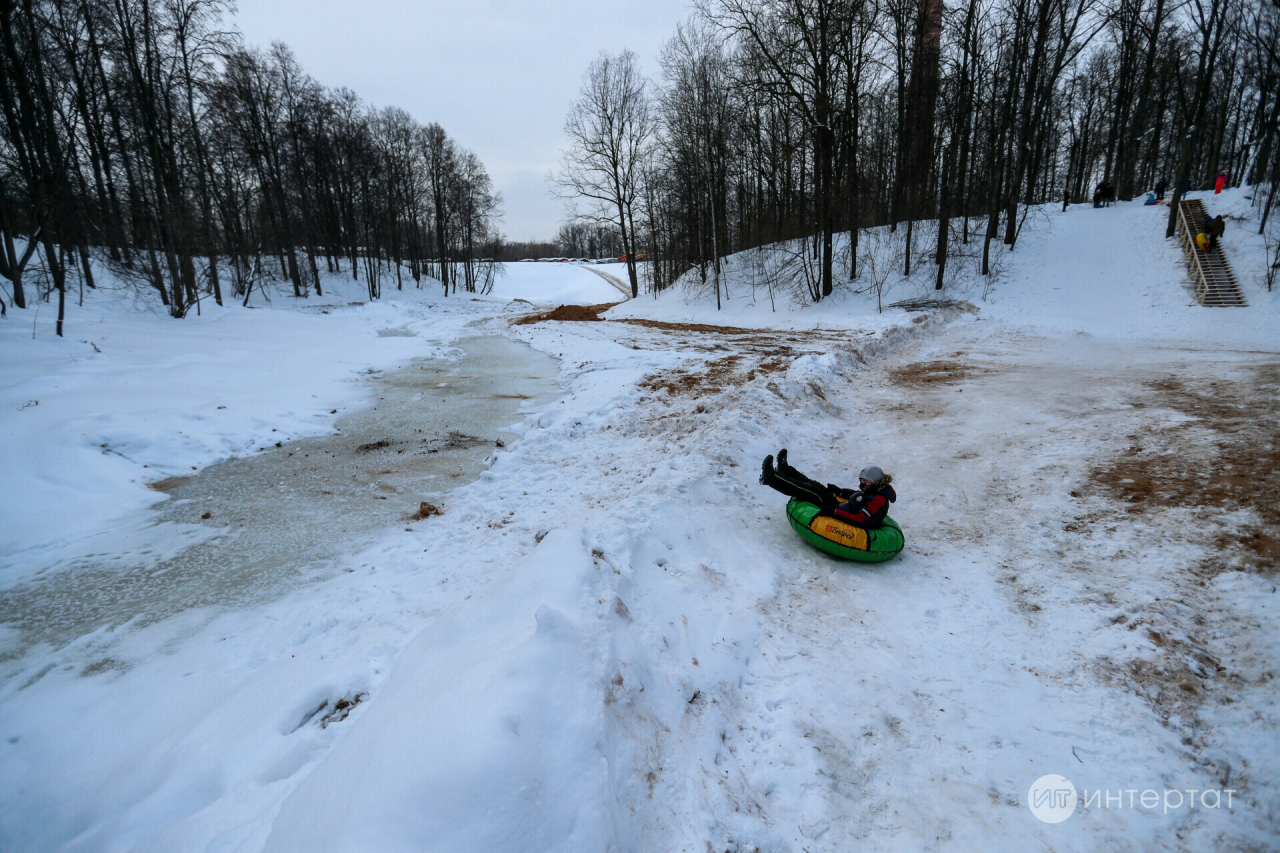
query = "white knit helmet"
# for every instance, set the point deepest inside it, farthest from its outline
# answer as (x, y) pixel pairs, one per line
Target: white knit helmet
(872, 474)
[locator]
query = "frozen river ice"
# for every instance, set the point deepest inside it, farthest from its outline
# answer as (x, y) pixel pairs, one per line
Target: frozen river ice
(248, 528)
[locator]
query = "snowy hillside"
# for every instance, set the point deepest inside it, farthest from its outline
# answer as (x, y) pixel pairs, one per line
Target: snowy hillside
(610, 638)
(1105, 272)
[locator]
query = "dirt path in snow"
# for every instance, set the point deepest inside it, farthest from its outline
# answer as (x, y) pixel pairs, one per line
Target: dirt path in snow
(1091, 530)
(1120, 498)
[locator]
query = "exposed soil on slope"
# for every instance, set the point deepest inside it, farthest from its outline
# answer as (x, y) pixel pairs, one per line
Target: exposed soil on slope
(923, 373)
(169, 484)
(573, 313)
(1173, 468)
(1223, 456)
(714, 376)
(703, 328)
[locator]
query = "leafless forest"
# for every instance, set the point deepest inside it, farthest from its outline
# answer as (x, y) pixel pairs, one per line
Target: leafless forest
(799, 120)
(142, 133)
(145, 135)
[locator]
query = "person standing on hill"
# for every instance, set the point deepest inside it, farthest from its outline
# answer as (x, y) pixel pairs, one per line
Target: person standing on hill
(1161, 186)
(1066, 199)
(1220, 183)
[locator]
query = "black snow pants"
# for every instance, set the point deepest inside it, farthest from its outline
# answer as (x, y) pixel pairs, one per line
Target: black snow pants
(793, 484)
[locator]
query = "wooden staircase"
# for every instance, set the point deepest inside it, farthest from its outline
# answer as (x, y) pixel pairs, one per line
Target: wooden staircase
(1211, 276)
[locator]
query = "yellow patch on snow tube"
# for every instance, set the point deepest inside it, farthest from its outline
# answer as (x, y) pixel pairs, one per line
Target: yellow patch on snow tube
(838, 531)
(844, 540)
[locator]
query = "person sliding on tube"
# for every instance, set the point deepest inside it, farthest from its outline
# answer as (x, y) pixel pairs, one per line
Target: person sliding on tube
(864, 507)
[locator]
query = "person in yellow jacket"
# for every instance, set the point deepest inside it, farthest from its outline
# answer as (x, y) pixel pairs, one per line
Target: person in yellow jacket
(1216, 227)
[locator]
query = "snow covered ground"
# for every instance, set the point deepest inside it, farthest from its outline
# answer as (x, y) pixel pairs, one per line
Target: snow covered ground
(612, 640)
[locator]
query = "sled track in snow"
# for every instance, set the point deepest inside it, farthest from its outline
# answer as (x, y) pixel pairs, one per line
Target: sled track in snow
(612, 279)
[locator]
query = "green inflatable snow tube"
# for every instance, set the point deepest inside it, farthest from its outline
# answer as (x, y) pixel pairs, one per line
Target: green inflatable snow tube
(844, 540)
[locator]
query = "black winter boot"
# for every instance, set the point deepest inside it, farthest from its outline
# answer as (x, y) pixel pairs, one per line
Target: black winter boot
(766, 471)
(782, 460)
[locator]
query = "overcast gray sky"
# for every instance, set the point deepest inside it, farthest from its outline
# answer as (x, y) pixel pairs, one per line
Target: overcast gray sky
(498, 75)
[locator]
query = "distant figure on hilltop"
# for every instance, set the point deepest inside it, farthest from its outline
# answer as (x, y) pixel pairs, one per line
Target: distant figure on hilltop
(1161, 186)
(1220, 183)
(1104, 195)
(1066, 199)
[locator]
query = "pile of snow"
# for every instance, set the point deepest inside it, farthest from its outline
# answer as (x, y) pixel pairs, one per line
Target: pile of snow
(495, 711)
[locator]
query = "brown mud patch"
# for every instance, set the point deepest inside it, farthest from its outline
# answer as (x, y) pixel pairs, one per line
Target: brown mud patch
(104, 665)
(425, 511)
(452, 440)
(703, 337)
(1223, 456)
(925, 373)
(712, 377)
(460, 441)
(170, 484)
(574, 313)
(341, 709)
(1212, 447)
(704, 329)
(1173, 685)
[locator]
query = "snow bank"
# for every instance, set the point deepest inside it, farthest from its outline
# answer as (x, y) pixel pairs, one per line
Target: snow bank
(488, 736)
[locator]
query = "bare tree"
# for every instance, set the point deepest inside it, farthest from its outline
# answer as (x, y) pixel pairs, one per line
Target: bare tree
(608, 129)
(796, 44)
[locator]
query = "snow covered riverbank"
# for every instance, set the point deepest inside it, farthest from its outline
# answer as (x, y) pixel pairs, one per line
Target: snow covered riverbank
(613, 640)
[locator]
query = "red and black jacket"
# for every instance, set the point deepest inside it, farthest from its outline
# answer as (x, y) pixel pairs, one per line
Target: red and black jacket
(862, 509)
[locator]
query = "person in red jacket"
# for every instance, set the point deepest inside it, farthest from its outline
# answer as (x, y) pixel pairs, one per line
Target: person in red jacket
(1220, 183)
(865, 506)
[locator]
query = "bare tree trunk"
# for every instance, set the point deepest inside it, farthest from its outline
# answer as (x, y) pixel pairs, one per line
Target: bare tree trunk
(1181, 176)
(944, 214)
